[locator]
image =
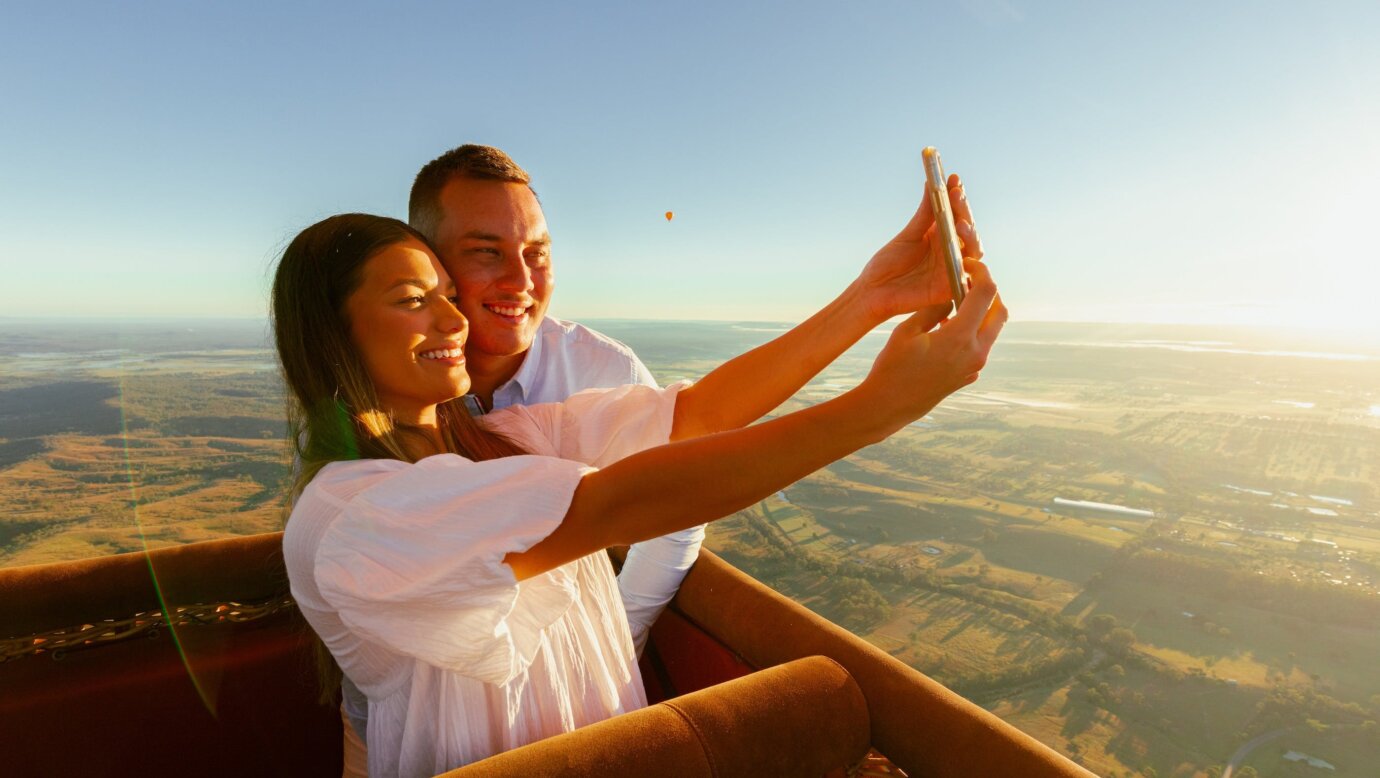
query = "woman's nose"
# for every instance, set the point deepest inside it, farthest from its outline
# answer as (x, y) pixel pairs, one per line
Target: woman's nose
(450, 319)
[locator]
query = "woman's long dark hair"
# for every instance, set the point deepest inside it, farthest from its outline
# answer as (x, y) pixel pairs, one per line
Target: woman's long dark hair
(334, 412)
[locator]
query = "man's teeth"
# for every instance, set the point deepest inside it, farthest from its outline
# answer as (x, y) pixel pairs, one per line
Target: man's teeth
(443, 354)
(507, 311)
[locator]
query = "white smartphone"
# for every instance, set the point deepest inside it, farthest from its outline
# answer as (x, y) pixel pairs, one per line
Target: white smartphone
(944, 223)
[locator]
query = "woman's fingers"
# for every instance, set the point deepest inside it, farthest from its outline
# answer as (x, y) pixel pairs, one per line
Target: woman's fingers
(992, 323)
(921, 222)
(933, 315)
(963, 219)
(958, 197)
(971, 241)
(981, 291)
(916, 324)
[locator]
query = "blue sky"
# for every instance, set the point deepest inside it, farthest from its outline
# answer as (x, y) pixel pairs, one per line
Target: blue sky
(1198, 162)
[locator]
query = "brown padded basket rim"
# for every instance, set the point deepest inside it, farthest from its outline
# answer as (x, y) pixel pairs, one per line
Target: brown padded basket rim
(925, 728)
(219, 697)
(805, 717)
(39, 598)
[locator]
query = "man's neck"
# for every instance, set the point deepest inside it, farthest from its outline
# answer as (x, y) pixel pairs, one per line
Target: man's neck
(487, 373)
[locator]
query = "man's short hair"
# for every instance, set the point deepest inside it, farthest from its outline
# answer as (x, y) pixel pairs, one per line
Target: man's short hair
(481, 163)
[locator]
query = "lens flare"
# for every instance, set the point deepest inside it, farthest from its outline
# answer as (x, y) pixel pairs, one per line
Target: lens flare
(132, 480)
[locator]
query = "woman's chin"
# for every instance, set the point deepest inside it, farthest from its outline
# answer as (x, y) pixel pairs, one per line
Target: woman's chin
(451, 393)
(457, 384)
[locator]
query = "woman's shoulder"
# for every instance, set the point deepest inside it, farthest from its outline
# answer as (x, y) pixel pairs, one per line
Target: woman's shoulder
(332, 490)
(437, 478)
(319, 505)
(339, 481)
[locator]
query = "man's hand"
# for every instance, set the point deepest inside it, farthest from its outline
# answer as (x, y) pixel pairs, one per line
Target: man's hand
(908, 275)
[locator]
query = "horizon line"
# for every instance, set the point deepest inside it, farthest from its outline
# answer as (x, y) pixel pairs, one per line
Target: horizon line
(10, 318)
(1340, 333)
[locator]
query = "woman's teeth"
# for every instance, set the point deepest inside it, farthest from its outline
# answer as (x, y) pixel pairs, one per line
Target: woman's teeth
(506, 311)
(443, 354)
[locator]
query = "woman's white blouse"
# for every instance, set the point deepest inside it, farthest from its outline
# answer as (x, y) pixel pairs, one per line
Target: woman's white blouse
(399, 568)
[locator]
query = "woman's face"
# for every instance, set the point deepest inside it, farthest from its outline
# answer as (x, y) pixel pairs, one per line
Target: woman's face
(410, 337)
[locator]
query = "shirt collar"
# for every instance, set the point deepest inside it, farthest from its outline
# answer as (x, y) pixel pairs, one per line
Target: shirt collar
(522, 381)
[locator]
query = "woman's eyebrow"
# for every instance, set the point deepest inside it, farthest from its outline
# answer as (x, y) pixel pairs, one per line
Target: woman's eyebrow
(417, 282)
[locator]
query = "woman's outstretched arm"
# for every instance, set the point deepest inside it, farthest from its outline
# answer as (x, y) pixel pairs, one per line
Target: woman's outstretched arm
(904, 276)
(692, 481)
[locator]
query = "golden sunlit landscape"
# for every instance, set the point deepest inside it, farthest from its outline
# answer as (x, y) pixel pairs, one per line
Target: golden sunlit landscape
(1148, 548)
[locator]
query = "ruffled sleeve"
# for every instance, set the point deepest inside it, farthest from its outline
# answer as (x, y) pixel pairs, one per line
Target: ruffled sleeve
(596, 426)
(415, 561)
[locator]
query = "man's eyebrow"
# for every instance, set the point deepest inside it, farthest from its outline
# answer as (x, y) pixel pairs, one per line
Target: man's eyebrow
(481, 235)
(544, 240)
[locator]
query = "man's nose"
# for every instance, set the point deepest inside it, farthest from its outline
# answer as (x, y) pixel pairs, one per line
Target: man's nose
(517, 276)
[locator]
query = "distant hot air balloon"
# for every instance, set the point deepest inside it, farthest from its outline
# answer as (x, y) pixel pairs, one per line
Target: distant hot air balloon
(669, 215)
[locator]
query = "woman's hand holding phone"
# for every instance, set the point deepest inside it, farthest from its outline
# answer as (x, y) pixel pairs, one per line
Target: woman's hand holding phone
(947, 231)
(910, 273)
(919, 366)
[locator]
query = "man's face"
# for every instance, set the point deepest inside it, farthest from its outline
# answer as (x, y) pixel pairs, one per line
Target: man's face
(493, 241)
